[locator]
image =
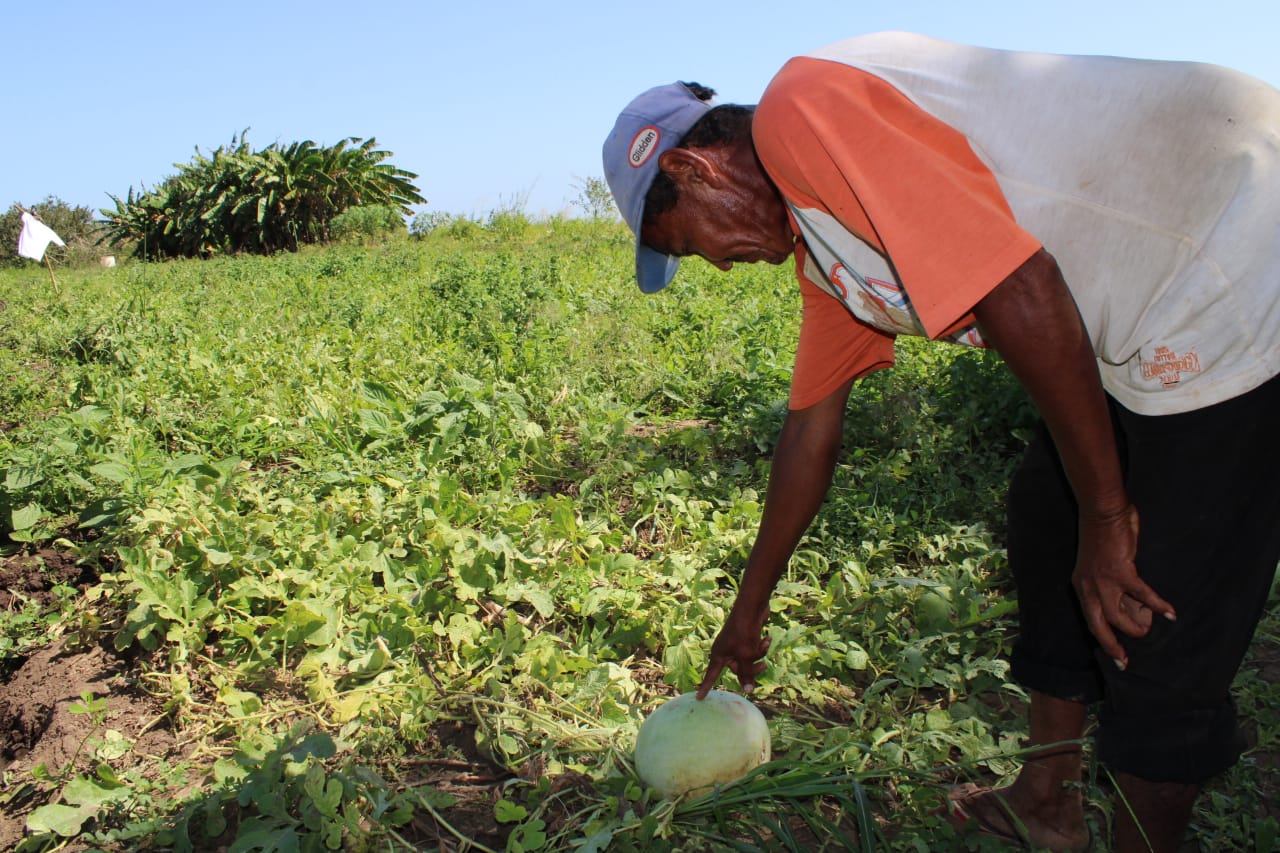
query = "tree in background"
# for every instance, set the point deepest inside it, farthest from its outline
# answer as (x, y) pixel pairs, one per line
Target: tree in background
(73, 223)
(240, 200)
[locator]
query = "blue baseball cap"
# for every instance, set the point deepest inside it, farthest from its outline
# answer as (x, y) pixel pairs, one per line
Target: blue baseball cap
(652, 123)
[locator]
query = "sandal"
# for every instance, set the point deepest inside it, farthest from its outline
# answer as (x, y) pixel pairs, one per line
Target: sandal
(971, 804)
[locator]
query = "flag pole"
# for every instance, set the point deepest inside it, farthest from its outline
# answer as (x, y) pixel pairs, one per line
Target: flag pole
(56, 290)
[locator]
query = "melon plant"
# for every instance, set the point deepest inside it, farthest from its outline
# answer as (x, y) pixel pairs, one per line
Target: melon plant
(690, 745)
(934, 612)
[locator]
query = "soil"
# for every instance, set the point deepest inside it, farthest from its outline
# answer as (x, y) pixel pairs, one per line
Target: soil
(473, 781)
(33, 577)
(38, 726)
(38, 691)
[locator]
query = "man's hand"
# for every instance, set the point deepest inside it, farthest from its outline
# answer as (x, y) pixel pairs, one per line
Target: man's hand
(1031, 319)
(741, 647)
(1106, 580)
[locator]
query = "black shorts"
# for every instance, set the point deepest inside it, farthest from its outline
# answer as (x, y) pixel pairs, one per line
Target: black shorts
(1207, 488)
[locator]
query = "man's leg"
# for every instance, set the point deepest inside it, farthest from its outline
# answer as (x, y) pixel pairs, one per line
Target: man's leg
(1054, 658)
(1205, 485)
(1151, 817)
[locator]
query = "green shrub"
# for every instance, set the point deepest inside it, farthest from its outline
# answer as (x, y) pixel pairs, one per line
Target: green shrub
(367, 222)
(440, 222)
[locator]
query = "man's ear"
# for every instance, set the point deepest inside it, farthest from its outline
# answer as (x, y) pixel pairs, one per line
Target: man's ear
(687, 166)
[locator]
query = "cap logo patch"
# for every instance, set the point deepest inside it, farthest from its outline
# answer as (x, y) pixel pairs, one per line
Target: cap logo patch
(643, 146)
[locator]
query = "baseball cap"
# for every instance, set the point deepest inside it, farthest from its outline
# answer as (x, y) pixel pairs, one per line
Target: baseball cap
(652, 123)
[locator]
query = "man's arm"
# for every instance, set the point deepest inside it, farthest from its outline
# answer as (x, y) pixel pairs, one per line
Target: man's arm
(1032, 321)
(803, 463)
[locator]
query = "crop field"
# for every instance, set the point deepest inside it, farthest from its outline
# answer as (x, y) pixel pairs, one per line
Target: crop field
(392, 546)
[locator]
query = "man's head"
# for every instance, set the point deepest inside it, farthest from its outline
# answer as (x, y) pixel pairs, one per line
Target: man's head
(686, 178)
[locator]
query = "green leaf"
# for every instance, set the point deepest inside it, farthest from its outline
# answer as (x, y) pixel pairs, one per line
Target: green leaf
(538, 596)
(319, 745)
(329, 799)
(598, 841)
(18, 478)
(301, 621)
(476, 575)
(26, 517)
(226, 770)
(269, 840)
(564, 520)
(100, 512)
(216, 557)
(62, 820)
(83, 791)
(1266, 833)
(505, 811)
(856, 658)
(937, 720)
(370, 663)
(215, 822)
(112, 471)
(240, 703)
(529, 837)
(113, 745)
(333, 835)
(375, 423)
(313, 782)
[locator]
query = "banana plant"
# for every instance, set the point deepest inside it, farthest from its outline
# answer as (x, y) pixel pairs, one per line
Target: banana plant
(238, 200)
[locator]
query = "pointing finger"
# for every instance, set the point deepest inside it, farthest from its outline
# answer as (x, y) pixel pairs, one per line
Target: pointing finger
(710, 679)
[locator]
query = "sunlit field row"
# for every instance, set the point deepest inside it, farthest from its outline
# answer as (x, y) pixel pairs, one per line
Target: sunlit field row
(393, 546)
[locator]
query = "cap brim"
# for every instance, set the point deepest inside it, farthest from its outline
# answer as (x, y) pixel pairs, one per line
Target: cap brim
(654, 269)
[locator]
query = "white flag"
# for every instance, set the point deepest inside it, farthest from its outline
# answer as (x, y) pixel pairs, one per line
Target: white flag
(35, 238)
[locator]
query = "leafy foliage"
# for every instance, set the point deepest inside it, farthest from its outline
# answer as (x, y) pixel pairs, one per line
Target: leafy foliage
(368, 222)
(435, 221)
(475, 483)
(236, 199)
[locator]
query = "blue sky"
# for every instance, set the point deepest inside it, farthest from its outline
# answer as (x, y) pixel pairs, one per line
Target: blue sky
(494, 105)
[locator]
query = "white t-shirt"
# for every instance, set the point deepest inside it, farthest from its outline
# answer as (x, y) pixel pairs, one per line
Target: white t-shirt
(1155, 185)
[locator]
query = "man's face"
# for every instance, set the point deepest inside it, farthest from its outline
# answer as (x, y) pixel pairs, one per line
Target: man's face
(738, 220)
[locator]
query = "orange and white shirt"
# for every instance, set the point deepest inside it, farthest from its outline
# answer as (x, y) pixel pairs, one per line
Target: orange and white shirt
(920, 174)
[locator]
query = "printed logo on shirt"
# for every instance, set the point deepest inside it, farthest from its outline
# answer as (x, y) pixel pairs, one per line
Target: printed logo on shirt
(884, 301)
(643, 144)
(969, 337)
(1168, 366)
(837, 279)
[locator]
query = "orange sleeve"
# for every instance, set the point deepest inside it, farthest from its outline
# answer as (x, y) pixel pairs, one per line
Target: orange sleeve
(841, 140)
(834, 345)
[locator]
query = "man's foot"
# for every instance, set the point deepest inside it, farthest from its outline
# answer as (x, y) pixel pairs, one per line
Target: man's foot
(1057, 826)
